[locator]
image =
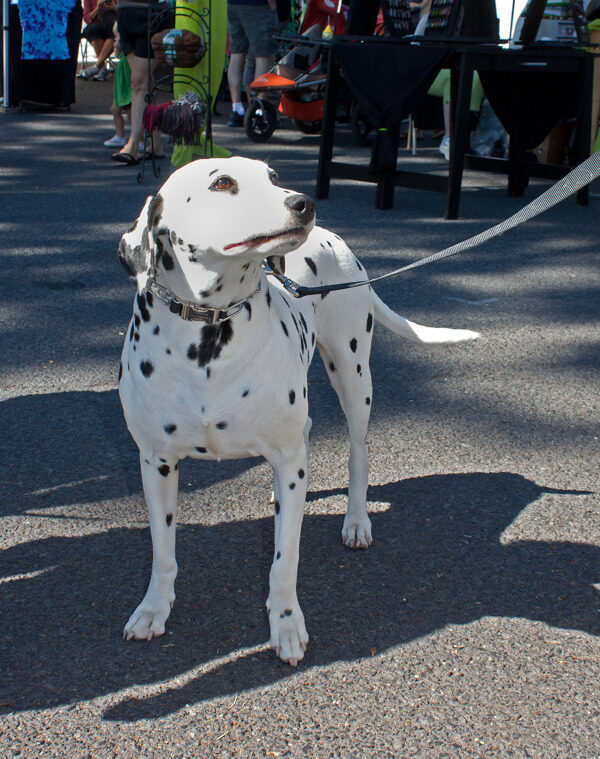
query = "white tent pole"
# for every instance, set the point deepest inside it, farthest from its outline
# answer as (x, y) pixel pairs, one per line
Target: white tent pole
(5, 51)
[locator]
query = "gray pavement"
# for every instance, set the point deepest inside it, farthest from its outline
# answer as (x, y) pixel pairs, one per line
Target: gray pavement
(471, 627)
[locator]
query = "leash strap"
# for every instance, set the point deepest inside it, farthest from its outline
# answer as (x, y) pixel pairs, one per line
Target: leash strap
(574, 181)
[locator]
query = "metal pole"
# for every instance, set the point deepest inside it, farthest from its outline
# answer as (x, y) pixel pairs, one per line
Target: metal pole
(5, 50)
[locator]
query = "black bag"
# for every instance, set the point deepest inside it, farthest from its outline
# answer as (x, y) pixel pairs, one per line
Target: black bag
(162, 16)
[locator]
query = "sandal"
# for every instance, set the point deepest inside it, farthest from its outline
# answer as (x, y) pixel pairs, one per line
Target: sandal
(125, 158)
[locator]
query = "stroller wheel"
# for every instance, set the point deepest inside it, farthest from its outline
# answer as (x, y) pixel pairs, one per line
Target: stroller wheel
(260, 120)
(308, 127)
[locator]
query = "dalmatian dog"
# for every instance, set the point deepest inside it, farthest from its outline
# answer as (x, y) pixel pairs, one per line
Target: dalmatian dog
(216, 357)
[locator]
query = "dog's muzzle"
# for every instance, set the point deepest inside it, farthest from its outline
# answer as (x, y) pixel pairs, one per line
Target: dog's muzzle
(302, 206)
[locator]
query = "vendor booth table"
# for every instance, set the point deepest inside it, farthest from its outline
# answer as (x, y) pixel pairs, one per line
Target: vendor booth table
(530, 89)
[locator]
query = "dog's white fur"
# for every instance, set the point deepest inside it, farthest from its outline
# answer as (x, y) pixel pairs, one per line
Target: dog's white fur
(239, 389)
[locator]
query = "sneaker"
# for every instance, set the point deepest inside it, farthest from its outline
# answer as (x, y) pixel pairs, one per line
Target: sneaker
(101, 76)
(235, 120)
(116, 142)
(88, 73)
(445, 148)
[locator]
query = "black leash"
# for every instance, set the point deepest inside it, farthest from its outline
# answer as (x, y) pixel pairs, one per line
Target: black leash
(582, 175)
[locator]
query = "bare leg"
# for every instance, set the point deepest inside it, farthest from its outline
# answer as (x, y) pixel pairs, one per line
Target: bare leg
(234, 76)
(139, 88)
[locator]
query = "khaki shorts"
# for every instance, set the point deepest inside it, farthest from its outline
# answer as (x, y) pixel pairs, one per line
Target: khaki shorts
(251, 27)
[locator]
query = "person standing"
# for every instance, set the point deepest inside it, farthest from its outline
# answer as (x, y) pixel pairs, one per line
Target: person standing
(252, 24)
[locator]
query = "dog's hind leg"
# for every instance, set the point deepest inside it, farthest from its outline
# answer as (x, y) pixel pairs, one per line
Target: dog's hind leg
(348, 370)
(160, 478)
(288, 632)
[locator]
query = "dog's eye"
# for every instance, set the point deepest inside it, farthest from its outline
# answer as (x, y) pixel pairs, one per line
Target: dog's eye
(223, 183)
(274, 177)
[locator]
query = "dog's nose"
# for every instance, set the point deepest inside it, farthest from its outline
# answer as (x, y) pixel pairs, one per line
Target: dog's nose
(302, 206)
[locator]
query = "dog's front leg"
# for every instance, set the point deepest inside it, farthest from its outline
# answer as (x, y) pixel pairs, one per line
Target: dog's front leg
(160, 478)
(288, 633)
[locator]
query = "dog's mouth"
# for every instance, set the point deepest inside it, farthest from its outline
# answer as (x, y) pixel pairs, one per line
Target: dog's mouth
(253, 242)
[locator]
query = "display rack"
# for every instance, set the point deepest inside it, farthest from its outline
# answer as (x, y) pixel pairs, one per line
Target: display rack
(200, 85)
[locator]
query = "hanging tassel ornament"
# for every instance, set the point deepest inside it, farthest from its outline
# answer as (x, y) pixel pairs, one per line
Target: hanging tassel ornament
(183, 119)
(153, 116)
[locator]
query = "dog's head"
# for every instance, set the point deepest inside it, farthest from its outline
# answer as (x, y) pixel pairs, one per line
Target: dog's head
(211, 210)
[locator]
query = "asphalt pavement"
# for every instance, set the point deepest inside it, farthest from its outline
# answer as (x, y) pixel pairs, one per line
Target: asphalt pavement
(470, 628)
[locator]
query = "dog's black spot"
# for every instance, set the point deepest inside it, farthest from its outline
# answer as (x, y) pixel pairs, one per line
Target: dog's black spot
(331, 366)
(245, 393)
(201, 449)
(146, 368)
(313, 337)
(368, 401)
(134, 348)
(136, 337)
(242, 278)
(288, 612)
(208, 372)
(301, 473)
(168, 351)
(170, 428)
(311, 264)
(149, 299)
(172, 237)
(164, 461)
(353, 344)
(205, 293)
(277, 263)
(324, 295)
(295, 323)
(278, 555)
(176, 467)
(131, 333)
(164, 470)
(214, 338)
(156, 330)
(277, 507)
(248, 308)
(292, 397)
(304, 392)
(221, 425)
(292, 485)
(246, 266)
(285, 329)
(303, 322)
(169, 519)
(167, 261)
(369, 322)
(137, 319)
(268, 299)
(188, 200)
(218, 288)
(120, 370)
(358, 368)
(329, 243)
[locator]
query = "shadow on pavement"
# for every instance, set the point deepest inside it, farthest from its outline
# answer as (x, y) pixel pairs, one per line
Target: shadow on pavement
(437, 560)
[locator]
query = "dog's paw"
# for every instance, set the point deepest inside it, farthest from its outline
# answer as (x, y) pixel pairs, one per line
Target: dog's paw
(289, 638)
(357, 533)
(148, 620)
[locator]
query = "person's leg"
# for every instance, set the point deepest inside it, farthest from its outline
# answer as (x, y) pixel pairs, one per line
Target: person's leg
(234, 76)
(118, 119)
(105, 51)
(139, 87)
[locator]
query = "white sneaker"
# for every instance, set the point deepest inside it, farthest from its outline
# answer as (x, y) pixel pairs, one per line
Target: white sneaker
(116, 142)
(88, 73)
(445, 148)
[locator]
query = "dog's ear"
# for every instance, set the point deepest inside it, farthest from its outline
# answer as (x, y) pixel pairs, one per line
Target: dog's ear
(137, 244)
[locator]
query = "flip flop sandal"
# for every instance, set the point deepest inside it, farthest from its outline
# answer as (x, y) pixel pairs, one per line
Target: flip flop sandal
(125, 158)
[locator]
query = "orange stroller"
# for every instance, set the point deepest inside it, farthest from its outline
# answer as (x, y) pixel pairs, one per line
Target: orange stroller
(298, 80)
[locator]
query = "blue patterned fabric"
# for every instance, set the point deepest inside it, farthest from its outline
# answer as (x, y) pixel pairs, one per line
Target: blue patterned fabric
(44, 26)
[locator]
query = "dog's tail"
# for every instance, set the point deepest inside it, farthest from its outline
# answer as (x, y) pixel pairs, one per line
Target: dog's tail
(401, 326)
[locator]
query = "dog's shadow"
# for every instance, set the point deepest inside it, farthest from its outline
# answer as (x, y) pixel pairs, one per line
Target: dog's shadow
(437, 560)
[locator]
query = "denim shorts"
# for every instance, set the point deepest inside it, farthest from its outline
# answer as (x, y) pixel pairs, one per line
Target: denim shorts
(251, 27)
